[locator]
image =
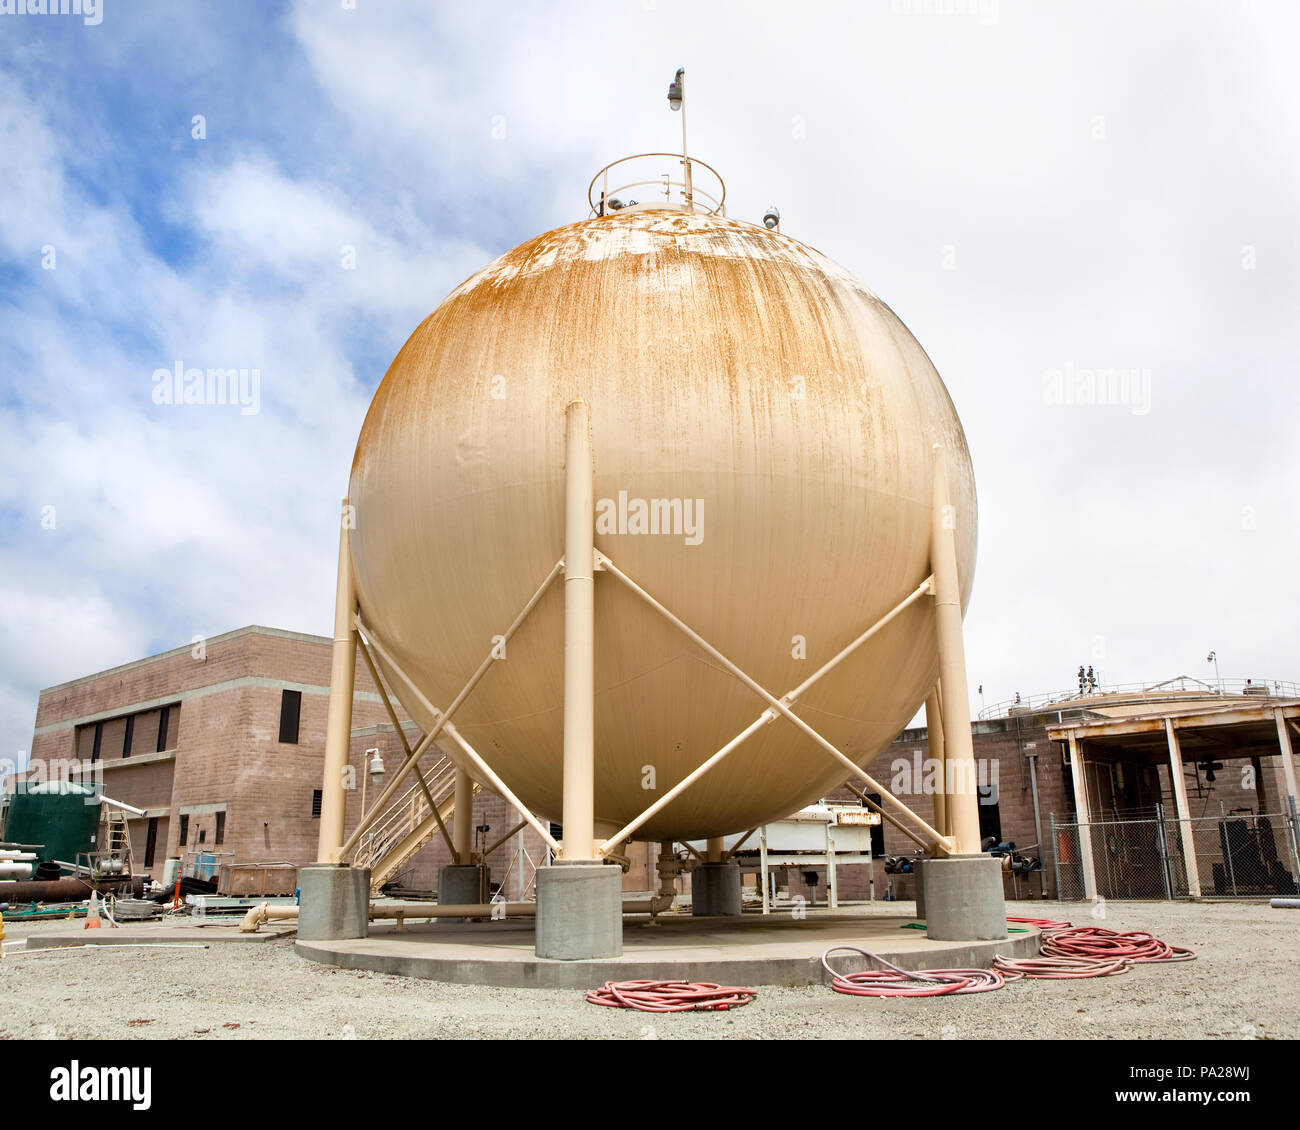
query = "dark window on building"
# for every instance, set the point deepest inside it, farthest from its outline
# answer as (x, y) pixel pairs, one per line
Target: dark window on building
(877, 831)
(203, 835)
(990, 818)
(185, 829)
(151, 841)
(128, 736)
(220, 834)
(315, 803)
(163, 718)
(99, 738)
(290, 706)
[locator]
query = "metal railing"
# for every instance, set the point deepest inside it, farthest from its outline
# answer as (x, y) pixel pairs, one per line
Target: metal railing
(1173, 689)
(1238, 855)
(405, 814)
(691, 195)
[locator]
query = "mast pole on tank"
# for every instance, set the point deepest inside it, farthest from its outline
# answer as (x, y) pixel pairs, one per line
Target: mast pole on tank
(338, 727)
(677, 101)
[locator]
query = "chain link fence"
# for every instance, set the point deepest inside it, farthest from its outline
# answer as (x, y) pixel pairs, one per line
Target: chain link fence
(1237, 855)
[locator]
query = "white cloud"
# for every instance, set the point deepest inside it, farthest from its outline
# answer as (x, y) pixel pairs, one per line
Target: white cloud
(432, 137)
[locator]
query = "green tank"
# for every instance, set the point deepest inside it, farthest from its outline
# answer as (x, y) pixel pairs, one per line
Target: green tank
(62, 817)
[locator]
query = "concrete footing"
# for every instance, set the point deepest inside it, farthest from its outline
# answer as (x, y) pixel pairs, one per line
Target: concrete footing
(462, 885)
(918, 882)
(579, 911)
(334, 902)
(963, 899)
(715, 890)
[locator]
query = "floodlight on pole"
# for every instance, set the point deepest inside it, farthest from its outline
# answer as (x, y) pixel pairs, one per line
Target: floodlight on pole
(676, 89)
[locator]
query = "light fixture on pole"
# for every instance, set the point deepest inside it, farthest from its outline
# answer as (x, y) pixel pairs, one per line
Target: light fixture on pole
(375, 773)
(677, 101)
(1213, 657)
(676, 89)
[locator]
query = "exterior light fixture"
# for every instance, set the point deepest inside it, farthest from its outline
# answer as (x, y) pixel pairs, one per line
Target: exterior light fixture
(677, 89)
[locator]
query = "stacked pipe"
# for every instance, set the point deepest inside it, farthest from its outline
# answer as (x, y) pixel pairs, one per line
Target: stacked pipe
(16, 864)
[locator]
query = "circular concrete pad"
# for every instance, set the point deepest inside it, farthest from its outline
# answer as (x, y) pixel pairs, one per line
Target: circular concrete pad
(776, 949)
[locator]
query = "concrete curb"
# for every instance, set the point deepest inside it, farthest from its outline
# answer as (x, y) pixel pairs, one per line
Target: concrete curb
(524, 971)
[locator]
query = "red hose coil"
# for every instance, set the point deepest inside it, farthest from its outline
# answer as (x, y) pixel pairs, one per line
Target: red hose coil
(894, 982)
(670, 996)
(1099, 943)
(1043, 924)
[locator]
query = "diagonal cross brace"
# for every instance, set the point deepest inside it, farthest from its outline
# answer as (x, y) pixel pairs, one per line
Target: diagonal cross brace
(441, 718)
(424, 785)
(775, 707)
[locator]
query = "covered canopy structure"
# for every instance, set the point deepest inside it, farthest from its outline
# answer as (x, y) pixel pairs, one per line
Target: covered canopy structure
(1202, 737)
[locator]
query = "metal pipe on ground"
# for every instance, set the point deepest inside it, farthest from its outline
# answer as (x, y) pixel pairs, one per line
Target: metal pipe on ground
(63, 890)
(464, 910)
(264, 912)
(507, 910)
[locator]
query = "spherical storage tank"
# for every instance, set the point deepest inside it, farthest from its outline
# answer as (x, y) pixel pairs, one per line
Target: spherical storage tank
(786, 416)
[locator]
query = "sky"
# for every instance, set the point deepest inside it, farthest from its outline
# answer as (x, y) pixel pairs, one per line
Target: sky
(1040, 191)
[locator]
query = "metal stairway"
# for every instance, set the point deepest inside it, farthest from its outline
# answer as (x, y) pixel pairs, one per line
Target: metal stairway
(407, 824)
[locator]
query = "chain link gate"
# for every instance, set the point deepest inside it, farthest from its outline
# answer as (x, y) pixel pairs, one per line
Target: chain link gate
(1238, 855)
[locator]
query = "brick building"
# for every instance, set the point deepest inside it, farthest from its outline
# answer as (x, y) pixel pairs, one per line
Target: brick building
(222, 744)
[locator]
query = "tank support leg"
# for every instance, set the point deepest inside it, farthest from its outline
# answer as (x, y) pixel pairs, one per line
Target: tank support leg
(579, 636)
(962, 799)
(579, 899)
(463, 882)
(963, 890)
(334, 900)
(338, 727)
(934, 727)
(463, 819)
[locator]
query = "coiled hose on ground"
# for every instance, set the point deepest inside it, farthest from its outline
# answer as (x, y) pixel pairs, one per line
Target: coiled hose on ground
(670, 996)
(1066, 952)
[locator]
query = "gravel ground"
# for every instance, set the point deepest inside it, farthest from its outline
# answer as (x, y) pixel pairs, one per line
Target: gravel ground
(1242, 985)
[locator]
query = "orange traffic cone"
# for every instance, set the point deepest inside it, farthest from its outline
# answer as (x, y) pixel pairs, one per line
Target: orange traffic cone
(92, 912)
